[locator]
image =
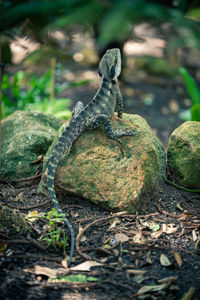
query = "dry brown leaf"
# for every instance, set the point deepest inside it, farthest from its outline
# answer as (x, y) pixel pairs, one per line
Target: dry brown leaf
(64, 263)
(168, 279)
(114, 223)
(139, 278)
(194, 235)
(86, 266)
(168, 228)
(135, 272)
(157, 234)
(139, 238)
(178, 258)
(189, 295)
(164, 260)
(121, 237)
(52, 273)
(83, 238)
(151, 288)
(179, 207)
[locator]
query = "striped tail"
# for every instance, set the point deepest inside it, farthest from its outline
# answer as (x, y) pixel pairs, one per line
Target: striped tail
(60, 148)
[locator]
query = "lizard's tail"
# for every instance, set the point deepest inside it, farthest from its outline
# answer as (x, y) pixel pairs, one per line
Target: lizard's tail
(52, 165)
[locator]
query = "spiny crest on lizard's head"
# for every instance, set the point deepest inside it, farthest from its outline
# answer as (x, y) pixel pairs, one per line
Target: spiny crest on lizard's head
(110, 64)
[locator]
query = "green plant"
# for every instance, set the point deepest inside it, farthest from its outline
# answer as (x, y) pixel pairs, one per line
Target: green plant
(30, 92)
(55, 238)
(194, 92)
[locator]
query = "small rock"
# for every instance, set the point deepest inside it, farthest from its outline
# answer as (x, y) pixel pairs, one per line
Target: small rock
(183, 155)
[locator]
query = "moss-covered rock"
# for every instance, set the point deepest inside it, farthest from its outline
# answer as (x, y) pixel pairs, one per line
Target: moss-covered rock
(25, 136)
(183, 155)
(113, 175)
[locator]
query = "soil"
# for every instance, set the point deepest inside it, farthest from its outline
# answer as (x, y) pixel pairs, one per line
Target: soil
(157, 250)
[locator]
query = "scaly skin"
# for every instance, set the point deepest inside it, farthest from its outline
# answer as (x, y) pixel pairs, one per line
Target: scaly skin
(97, 112)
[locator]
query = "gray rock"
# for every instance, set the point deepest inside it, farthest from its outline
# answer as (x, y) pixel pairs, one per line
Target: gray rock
(183, 155)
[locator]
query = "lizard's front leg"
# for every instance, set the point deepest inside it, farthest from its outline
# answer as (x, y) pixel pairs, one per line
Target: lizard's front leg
(77, 109)
(100, 119)
(118, 96)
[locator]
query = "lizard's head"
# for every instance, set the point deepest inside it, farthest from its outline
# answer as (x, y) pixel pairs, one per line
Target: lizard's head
(110, 64)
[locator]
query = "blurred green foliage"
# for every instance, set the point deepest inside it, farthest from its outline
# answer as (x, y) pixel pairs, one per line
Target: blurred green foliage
(193, 113)
(110, 19)
(30, 92)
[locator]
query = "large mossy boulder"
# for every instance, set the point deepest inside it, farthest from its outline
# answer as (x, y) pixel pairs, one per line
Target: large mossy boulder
(109, 174)
(183, 155)
(97, 168)
(25, 136)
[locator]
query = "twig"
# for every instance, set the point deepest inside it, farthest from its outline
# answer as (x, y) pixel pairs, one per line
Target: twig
(168, 214)
(85, 256)
(25, 208)
(43, 257)
(20, 180)
(35, 243)
(15, 242)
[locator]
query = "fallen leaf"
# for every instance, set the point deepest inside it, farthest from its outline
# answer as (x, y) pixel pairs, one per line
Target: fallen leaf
(83, 238)
(189, 295)
(151, 288)
(178, 258)
(150, 224)
(168, 279)
(139, 278)
(52, 273)
(194, 235)
(74, 278)
(164, 260)
(157, 234)
(115, 252)
(114, 223)
(139, 238)
(168, 228)
(121, 237)
(86, 265)
(64, 263)
(135, 272)
(179, 207)
(33, 215)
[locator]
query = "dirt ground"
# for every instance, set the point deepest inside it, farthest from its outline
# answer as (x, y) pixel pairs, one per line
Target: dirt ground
(153, 254)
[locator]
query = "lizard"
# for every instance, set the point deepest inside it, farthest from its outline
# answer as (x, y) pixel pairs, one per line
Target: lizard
(96, 113)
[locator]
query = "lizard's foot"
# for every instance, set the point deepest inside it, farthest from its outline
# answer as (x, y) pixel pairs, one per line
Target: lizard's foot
(125, 132)
(122, 132)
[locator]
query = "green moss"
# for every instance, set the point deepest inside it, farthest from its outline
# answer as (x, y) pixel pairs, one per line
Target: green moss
(25, 136)
(183, 155)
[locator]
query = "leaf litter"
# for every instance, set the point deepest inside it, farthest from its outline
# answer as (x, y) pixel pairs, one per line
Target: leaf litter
(144, 248)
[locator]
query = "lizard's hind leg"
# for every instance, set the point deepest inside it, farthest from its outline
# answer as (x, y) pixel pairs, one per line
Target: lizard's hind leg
(114, 135)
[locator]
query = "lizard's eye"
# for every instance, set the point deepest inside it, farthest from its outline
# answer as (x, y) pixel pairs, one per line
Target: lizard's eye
(99, 72)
